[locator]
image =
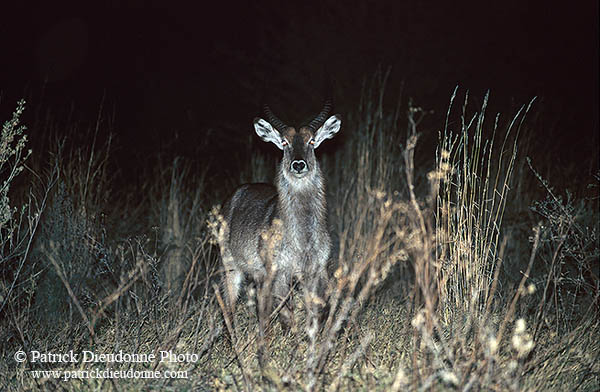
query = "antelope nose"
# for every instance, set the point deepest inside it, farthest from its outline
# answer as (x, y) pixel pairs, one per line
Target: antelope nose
(299, 166)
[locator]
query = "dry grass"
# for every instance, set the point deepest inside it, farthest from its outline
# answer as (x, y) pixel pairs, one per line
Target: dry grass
(429, 290)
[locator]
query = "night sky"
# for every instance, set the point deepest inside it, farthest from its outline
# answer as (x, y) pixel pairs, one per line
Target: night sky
(186, 69)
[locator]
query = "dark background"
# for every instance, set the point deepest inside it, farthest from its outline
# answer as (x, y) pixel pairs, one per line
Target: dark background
(200, 73)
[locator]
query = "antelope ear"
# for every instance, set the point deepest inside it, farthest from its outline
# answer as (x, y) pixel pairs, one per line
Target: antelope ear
(328, 130)
(268, 133)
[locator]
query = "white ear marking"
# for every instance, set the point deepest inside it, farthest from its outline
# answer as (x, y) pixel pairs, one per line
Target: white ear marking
(268, 133)
(328, 130)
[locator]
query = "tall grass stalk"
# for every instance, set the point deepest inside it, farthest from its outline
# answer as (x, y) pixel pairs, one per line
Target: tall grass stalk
(475, 181)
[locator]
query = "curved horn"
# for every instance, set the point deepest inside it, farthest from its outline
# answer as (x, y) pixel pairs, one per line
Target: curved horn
(276, 122)
(321, 117)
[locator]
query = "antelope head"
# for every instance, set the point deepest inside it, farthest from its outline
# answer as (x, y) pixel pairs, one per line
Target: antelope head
(298, 145)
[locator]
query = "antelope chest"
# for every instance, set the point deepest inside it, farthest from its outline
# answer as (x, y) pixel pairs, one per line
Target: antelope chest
(301, 251)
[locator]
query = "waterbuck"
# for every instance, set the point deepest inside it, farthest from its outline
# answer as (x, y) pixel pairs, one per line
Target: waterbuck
(275, 234)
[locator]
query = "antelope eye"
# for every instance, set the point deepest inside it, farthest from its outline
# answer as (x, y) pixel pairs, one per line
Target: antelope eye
(284, 143)
(311, 141)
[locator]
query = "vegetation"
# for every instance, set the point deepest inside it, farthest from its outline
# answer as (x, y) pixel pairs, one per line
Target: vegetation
(463, 270)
